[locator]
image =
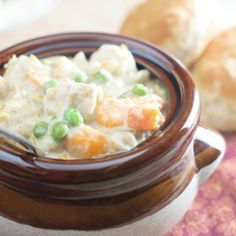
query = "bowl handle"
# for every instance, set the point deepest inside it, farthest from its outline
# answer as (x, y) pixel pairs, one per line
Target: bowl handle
(209, 149)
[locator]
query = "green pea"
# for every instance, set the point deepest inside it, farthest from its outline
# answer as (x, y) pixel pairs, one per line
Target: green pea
(40, 129)
(59, 131)
(140, 90)
(73, 117)
(50, 84)
(80, 77)
(102, 76)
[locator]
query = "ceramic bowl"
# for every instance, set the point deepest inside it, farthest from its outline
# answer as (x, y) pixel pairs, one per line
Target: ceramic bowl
(144, 191)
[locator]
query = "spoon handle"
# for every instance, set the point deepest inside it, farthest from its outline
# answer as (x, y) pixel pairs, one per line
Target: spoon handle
(6, 139)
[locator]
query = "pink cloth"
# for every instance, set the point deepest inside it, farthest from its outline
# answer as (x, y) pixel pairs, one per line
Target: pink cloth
(213, 212)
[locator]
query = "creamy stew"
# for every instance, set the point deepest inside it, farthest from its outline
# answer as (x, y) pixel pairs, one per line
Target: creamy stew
(79, 107)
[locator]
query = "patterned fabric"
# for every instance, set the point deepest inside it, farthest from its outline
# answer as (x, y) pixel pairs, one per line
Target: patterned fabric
(214, 211)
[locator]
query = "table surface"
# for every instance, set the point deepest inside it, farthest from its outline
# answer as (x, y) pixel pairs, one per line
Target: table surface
(70, 16)
(214, 210)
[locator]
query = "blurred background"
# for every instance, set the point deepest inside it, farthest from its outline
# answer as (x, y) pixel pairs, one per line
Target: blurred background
(23, 19)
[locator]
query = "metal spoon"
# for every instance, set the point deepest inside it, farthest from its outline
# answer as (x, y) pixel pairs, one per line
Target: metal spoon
(19, 141)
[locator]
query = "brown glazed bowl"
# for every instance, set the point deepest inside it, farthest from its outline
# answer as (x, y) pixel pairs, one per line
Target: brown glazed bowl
(144, 191)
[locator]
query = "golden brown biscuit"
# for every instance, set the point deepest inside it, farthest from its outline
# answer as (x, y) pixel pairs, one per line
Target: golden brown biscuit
(181, 27)
(215, 75)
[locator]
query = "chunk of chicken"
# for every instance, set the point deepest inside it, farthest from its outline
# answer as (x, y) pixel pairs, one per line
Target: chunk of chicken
(76, 95)
(62, 68)
(116, 59)
(26, 73)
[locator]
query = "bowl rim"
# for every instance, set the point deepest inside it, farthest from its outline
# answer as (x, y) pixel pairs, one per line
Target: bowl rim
(107, 168)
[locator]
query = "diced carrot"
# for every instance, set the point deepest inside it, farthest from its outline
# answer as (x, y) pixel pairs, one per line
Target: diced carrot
(86, 143)
(143, 118)
(111, 113)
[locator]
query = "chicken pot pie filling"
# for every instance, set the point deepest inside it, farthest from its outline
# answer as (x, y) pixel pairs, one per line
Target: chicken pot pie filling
(80, 108)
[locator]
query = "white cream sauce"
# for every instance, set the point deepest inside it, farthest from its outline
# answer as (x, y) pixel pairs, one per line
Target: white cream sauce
(115, 118)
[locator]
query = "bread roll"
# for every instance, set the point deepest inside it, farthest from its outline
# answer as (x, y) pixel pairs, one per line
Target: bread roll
(215, 76)
(181, 27)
